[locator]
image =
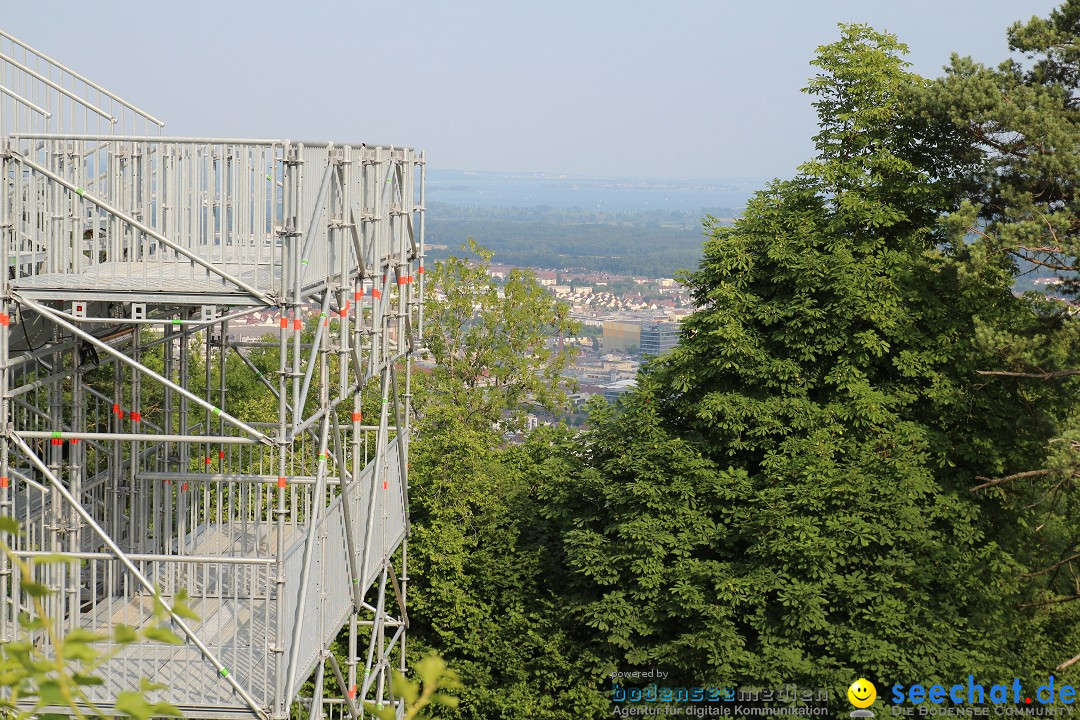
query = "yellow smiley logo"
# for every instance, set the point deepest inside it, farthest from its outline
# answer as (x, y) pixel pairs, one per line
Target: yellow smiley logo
(862, 693)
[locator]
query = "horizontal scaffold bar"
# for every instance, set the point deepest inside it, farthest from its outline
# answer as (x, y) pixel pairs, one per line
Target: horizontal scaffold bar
(146, 437)
(204, 141)
(144, 557)
(52, 315)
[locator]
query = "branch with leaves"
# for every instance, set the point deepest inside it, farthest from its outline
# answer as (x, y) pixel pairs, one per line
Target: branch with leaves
(37, 679)
(435, 678)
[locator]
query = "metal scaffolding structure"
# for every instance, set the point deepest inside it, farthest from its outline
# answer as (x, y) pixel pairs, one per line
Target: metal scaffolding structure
(130, 256)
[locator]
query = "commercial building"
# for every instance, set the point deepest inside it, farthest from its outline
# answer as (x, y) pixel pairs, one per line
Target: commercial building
(657, 339)
(621, 335)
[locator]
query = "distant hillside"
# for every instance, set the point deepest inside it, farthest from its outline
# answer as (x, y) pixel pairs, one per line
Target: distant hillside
(653, 244)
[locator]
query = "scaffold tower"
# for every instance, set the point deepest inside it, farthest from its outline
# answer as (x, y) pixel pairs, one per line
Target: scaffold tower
(132, 259)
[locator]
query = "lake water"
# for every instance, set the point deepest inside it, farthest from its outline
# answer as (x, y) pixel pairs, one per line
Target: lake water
(491, 189)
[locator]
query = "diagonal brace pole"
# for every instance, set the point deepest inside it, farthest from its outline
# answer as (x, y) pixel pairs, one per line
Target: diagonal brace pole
(346, 502)
(341, 684)
(52, 315)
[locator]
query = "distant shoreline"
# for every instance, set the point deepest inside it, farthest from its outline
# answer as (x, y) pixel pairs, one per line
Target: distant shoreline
(607, 194)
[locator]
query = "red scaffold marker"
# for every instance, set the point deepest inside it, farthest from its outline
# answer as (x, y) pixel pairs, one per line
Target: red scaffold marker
(281, 482)
(4, 482)
(284, 323)
(297, 324)
(136, 417)
(375, 293)
(116, 409)
(209, 460)
(221, 454)
(356, 417)
(420, 270)
(5, 319)
(183, 488)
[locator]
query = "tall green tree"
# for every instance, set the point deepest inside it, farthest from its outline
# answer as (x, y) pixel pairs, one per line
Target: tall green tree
(491, 342)
(787, 497)
(477, 593)
(1022, 120)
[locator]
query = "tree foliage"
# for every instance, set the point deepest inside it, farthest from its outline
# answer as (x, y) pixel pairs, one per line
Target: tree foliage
(788, 496)
(478, 594)
(1021, 121)
(490, 342)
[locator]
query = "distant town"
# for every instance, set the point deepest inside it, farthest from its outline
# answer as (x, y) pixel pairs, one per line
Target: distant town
(624, 320)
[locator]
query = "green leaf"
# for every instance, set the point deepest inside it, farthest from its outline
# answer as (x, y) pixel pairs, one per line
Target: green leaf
(134, 705)
(83, 635)
(125, 634)
(86, 654)
(404, 688)
(162, 635)
(81, 679)
(383, 713)
(50, 694)
(146, 686)
(181, 609)
(26, 622)
(35, 589)
(443, 699)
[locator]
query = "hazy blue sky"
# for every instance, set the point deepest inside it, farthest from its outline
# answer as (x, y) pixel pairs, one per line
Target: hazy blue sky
(668, 88)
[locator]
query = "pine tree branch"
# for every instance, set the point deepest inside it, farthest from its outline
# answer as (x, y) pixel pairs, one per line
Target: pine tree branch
(1037, 376)
(1052, 266)
(1068, 662)
(991, 482)
(1053, 567)
(1044, 603)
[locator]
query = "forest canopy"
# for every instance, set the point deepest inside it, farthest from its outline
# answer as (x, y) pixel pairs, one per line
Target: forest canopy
(859, 462)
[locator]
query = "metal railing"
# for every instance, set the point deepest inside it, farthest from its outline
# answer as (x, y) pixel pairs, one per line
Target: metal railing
(253, 221)
(40, 94)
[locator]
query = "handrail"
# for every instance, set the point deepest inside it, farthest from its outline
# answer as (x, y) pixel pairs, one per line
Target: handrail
(57, 87)
(82, 78)
(24, 101)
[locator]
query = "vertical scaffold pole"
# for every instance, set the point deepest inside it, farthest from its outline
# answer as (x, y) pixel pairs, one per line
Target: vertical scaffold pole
(6, 505)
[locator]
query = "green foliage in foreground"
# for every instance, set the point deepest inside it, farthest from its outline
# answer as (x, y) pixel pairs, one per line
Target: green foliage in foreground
(434, 676)
(48, 680)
